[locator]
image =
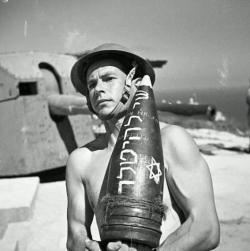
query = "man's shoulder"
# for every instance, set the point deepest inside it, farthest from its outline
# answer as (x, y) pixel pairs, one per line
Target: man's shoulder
(79, 158)
(173, 131)
(177, 139)
(85, 152)
(179, 148)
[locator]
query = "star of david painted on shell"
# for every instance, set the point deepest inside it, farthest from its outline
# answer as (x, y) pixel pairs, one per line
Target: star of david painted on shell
(154, 170)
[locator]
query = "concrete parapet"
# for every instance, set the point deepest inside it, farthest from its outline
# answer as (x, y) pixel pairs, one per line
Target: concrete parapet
(16, 237)
(17, 199)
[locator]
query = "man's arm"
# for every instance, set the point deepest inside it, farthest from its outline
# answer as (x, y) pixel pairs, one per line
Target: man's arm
(79, 212)
(190, 185)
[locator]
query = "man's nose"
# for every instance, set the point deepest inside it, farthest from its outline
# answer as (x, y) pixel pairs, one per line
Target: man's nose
(100, 87)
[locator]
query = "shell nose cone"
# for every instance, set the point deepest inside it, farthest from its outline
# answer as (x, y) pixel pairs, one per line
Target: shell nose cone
(146, 81)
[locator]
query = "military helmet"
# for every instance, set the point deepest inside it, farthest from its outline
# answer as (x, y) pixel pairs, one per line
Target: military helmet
(108, 50)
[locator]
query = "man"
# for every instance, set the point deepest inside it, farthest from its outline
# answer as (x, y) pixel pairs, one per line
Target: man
(108, 76)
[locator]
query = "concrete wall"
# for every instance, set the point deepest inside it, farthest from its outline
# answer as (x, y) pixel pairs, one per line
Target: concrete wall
(30, 139)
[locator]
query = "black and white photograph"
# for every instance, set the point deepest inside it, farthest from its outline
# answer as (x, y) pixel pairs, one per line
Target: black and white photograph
(124, 125)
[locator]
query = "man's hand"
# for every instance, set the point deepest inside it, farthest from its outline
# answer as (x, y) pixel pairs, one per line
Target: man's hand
(92, 245)
(115, 246)
(112, 246)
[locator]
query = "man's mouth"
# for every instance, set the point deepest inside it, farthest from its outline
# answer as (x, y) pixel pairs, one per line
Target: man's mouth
(101, 101)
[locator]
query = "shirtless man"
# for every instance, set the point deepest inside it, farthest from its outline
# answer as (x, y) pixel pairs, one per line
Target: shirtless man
(191, 221)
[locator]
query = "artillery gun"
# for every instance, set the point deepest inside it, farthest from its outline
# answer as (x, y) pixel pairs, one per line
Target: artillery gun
(37, 101)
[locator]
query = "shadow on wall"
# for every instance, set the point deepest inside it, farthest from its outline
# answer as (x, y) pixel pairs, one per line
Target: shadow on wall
(53, 83)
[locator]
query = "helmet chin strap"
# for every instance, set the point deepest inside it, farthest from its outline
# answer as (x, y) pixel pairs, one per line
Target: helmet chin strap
(121, 108)
(128, 93)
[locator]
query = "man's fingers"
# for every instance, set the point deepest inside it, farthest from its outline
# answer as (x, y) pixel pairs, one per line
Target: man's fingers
(125, 247)
(113, 246)
(92, 245)
(118, 246)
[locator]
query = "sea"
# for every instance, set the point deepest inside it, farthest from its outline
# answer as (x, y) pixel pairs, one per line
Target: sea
(231, 101)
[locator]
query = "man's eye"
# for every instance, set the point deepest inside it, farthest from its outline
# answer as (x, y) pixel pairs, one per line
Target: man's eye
(91, 85)
(108, 79)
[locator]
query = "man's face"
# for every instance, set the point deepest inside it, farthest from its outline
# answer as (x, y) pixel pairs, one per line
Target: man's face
(105, 82)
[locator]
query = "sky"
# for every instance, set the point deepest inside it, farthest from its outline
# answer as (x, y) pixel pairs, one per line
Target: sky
(206, 42)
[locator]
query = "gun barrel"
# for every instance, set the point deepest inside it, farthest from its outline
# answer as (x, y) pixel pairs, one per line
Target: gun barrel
(205, 110)
(65, 104)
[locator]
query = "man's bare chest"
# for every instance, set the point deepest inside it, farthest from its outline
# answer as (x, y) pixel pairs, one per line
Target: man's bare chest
(95, 177)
